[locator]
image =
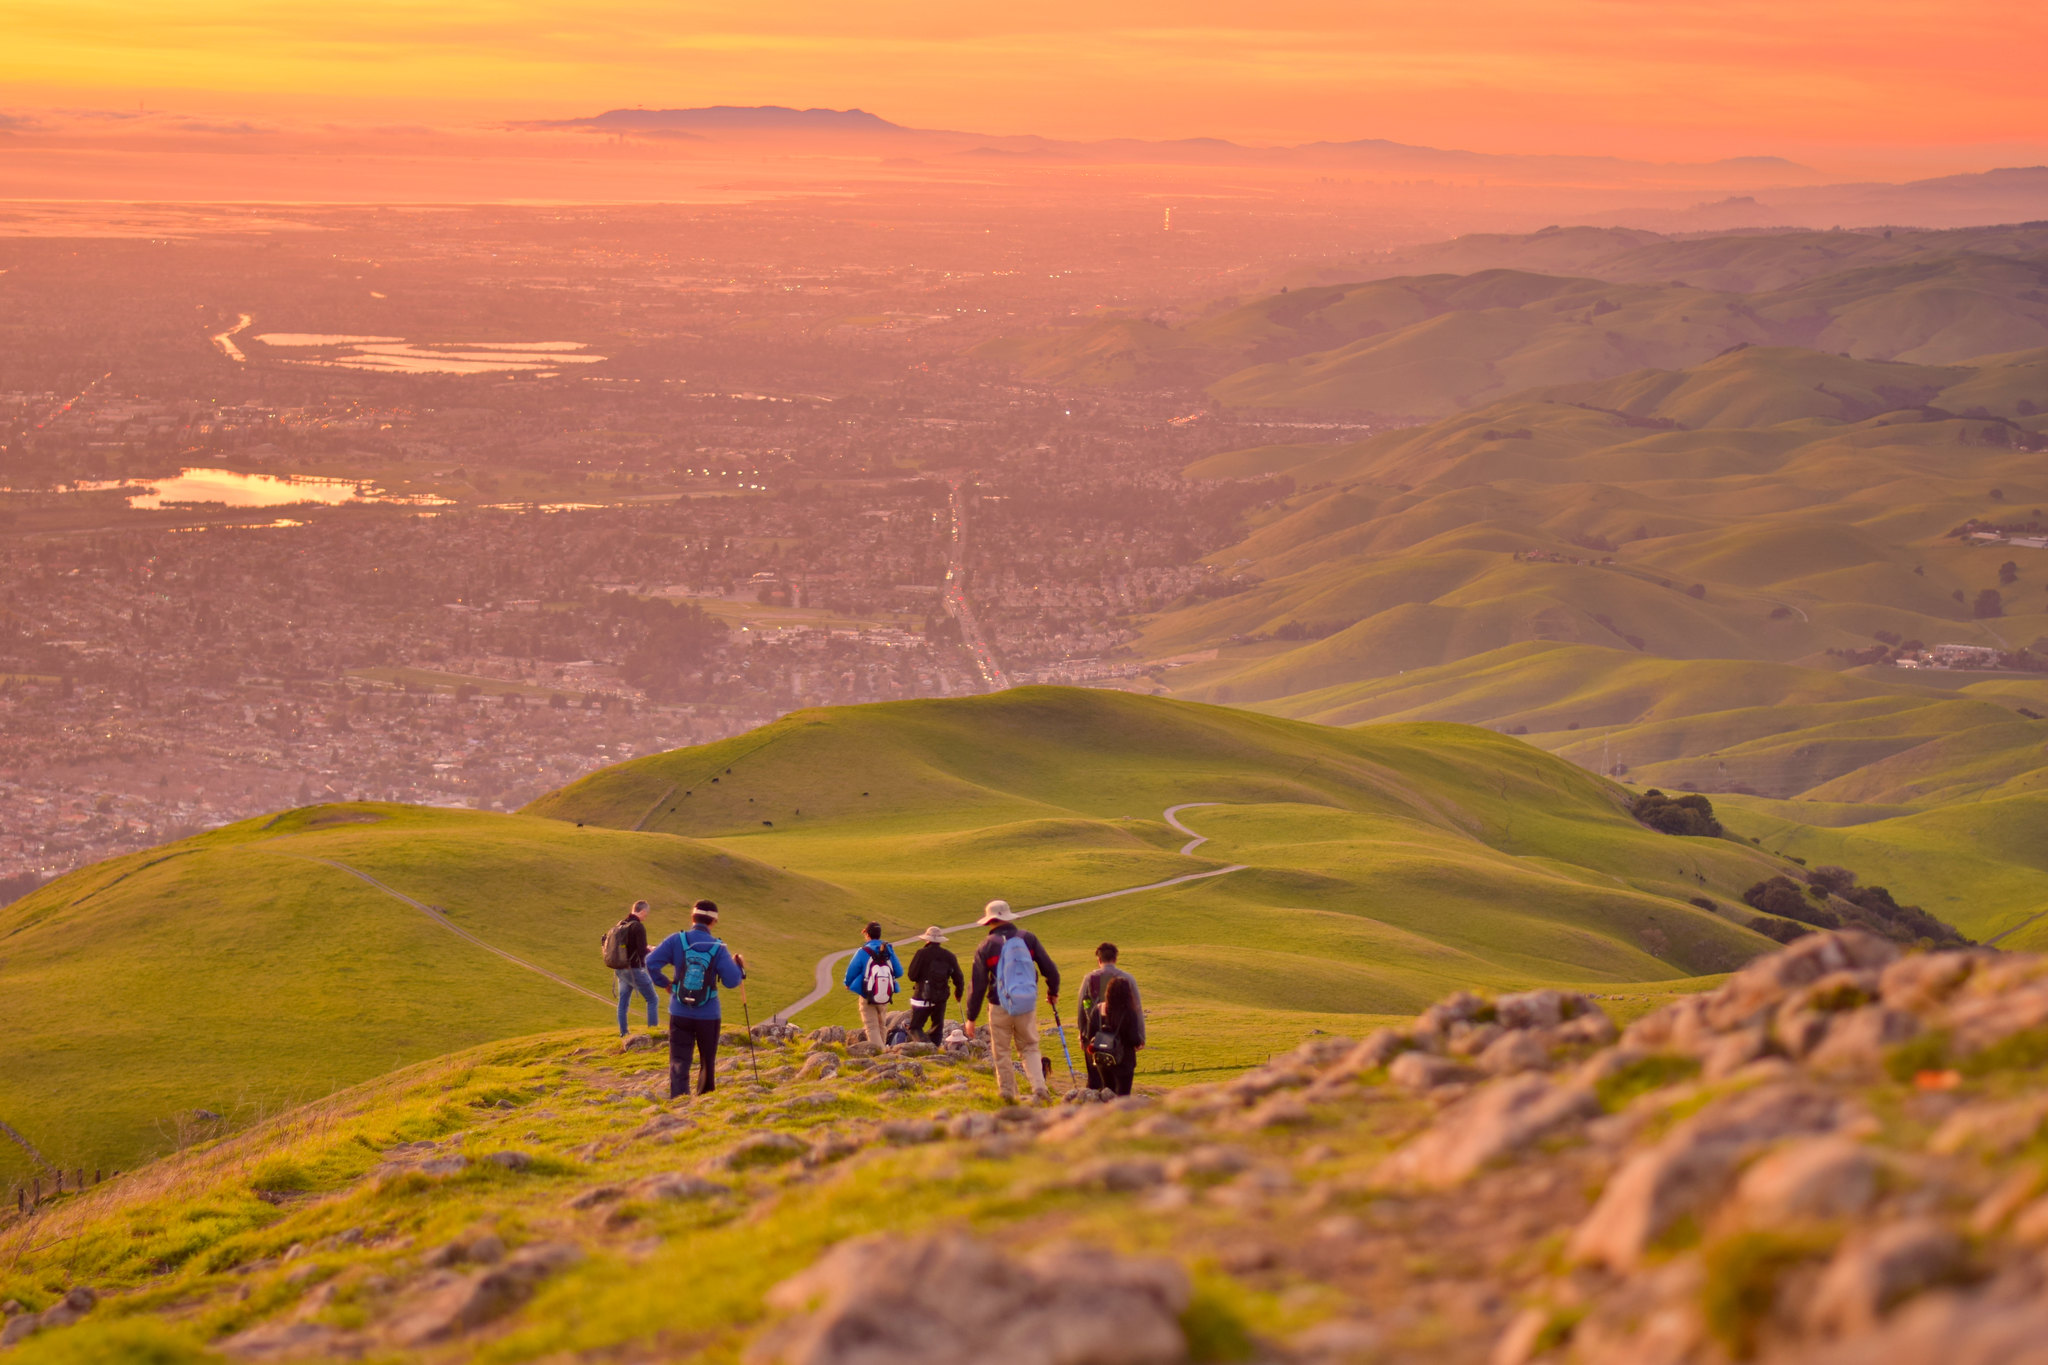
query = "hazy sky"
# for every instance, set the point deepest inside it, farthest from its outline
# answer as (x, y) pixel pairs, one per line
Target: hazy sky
(1682, 78)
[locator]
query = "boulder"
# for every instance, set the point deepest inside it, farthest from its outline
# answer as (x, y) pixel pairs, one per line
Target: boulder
(1921, 982)
(459, 1304)
(639, 1042)
(830, 1034)
(1857, 1040)
(1872, 1272)
(818, 1066)
(1693, 1166)
(1420, 1071)
(1515, 1052)
(1822, 1178)
(760, 1149)
(870, 1302)
(1531, 1009)
(511, 1161)
(679, 1188)
(1944, 1329)
(286, 1340)
(1492, 1122)
(1993, 1128)
(911, 1132)
(1769, 980)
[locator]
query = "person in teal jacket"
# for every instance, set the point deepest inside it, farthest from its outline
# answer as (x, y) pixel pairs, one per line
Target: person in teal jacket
(695, 1027)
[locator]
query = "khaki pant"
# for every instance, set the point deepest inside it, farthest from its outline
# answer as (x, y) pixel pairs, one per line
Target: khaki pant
(1006, 1030)
(871, 1017)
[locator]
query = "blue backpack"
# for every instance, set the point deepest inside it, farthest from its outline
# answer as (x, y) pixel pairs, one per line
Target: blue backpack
(695, 981)
(1016, 977)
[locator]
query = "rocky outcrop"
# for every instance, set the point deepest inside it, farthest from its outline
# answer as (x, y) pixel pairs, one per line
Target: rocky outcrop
(876, 1301)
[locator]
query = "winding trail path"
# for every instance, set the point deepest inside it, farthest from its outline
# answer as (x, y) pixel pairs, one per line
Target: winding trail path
(451, 926)
(825, 976)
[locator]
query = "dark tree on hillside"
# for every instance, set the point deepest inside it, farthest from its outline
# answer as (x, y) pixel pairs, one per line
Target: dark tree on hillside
(1686, 815)
(2008, 574)
(1784, 931)
(1783, 897)
(1988, 604)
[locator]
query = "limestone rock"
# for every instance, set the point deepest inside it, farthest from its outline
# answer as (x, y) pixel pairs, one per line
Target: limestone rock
(1856, 1041)
(638, 1042)
(1420, 1071)
(459, 1304)
(1492, 1122)
(1871, 1273)
(1514, 1052)
(910, 1132)
(680, 1188)
(868, 1302)
(1692, 1167)
(1813, 1178)
(761, 1149)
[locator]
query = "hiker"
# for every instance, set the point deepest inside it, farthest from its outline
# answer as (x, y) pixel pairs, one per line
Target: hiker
(702, 964)
(1112, 1043)
(625, 952)
(1094, 990)
(932, 971)
(1007, 967)
(872, 976)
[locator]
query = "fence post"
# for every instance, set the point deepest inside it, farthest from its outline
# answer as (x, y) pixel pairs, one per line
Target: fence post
(60, 1180)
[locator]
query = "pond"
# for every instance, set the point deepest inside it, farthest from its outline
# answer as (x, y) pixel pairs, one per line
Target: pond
(399, 355)
(249, 490)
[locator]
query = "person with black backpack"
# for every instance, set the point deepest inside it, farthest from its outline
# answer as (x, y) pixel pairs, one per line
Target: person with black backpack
(702, 964)
(625, 952)
(1007, 968)
(872, 976)
(932, 972)
(1094, 993)
(1113, 1041)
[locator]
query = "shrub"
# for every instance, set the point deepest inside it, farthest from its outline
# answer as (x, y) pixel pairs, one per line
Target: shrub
(1783, 897)
(1684, 815)
(1781, 930)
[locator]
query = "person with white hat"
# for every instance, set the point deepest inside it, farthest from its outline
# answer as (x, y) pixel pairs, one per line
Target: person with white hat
(932, 972)
(1007, 968)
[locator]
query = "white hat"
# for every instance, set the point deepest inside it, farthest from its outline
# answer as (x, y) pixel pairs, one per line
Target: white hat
(996, 912)
(932, 935)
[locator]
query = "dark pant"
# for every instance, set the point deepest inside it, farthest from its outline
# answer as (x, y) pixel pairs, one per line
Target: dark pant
(1116, 1076)
(929, 1020)
(683, 1035)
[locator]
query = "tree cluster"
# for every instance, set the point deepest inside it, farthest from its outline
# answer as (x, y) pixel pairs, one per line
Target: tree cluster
(1831, 899)
(1688, 815)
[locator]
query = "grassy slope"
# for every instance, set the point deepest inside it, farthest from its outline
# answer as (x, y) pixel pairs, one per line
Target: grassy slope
(231, 973)
(1430, 344)
(1384, 865)
(1385, 862)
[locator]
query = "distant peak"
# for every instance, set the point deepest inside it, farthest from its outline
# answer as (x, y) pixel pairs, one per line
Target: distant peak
(727, 116)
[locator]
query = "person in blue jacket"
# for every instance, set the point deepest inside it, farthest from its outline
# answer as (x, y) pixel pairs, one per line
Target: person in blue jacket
(694, 1026)
(873, 976)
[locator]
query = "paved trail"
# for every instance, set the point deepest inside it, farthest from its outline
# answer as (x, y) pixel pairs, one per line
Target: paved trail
(825, 977)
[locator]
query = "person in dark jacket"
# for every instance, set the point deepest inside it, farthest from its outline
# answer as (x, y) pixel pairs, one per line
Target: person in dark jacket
(633, 976)
(1094, 989)
(1113, 1046)
(1009, 1031)
(695, 1027)
(932, 972)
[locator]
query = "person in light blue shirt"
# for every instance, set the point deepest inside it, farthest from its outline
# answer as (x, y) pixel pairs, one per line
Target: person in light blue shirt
(694, 1026)
(874, 975)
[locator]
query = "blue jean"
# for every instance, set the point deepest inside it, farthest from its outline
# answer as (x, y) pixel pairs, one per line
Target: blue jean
(636, 979)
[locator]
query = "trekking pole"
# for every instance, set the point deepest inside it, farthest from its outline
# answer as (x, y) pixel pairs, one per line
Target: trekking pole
(747, 1013)
(1073, 1082)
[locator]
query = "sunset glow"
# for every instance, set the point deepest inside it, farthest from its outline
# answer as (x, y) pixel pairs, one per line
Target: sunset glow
(1830, 80)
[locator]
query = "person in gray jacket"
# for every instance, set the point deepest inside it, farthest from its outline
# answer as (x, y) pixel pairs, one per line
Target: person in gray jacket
(1094, 991)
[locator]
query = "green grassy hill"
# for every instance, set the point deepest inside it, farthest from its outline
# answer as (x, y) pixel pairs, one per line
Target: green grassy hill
(241, 970)
(1430, 344)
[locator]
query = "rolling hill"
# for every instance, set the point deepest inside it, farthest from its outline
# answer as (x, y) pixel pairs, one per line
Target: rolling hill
(1431, 344)
(271, 961)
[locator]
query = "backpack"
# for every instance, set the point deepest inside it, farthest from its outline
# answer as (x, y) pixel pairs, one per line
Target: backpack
(1016, 977)
(878, 983)
(615, 956)
(695, 981)
(1107, 1047)
(897, 1035)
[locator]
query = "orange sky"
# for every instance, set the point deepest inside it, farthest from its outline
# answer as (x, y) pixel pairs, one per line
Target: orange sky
(1847, 81)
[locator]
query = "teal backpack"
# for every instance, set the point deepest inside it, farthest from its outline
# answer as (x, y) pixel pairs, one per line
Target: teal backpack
(695, 981)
